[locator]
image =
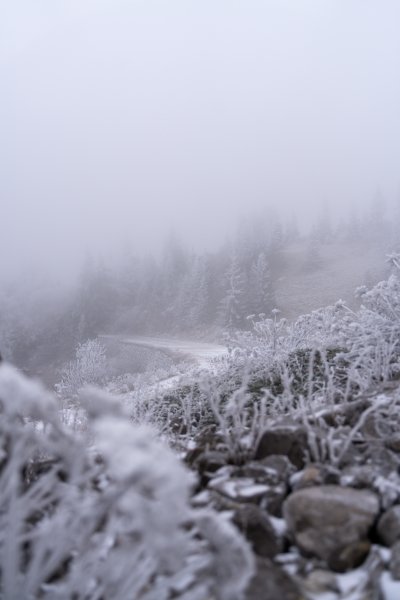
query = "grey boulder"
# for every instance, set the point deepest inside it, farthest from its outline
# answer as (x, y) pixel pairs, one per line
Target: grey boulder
(332, 523)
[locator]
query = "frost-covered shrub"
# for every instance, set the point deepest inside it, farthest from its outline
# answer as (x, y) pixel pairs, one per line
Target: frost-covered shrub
(368, 340)
(373, 334)
(273, 340)
(89, 367)
(113, 521)
(330, 356)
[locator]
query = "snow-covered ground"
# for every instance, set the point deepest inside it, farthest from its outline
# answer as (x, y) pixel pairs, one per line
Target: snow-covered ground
(201, 352)
(189, 356)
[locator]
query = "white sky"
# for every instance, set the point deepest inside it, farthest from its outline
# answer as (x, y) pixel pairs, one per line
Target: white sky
(120, 119)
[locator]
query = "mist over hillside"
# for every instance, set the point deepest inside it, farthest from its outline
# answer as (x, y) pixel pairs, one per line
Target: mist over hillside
(266, 264)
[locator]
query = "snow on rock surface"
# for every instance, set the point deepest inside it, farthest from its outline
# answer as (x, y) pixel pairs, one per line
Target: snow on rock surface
(389, 587)
(239, 489)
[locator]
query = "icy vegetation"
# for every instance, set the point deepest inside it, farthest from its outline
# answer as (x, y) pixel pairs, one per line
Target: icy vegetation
(111, 520)
(329, 357)
(89, 367)
(274, 465)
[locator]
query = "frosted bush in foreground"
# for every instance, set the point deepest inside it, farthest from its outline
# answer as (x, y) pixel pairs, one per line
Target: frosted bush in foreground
(113, 522)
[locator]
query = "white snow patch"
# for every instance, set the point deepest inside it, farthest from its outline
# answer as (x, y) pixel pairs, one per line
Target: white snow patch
(279, 525)
(202, 352)
(389, 587)
(239, 488)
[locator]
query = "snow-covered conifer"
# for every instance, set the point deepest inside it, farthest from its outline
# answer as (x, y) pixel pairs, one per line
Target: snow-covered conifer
(232, 306)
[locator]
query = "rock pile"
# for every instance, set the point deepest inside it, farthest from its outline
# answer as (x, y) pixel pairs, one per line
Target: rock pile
(326, 530)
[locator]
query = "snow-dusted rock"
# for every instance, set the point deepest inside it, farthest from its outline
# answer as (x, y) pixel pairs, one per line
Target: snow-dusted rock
(330, 522)
(280, 465)
(271, 582)
(314, 474)
(393, 443)
(263, 482)
(208, 463)
(320, 581)
(274, 472)
(255, 525)
(350, 556)
(291, 441)
(395, 561)
(385, 482)
(239, 489)
(389, 526)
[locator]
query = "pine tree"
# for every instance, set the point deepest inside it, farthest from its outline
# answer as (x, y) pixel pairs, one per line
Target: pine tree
(374, 224)
(353, 228)
(98, 297)
(262, 293)
(199, 294)
(174, 272)
(232, 308)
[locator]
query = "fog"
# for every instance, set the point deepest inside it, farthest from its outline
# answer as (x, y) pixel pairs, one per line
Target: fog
(123, 120)
(199, 299)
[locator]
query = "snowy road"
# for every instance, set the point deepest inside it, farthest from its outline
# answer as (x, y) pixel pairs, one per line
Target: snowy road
(203, 353)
